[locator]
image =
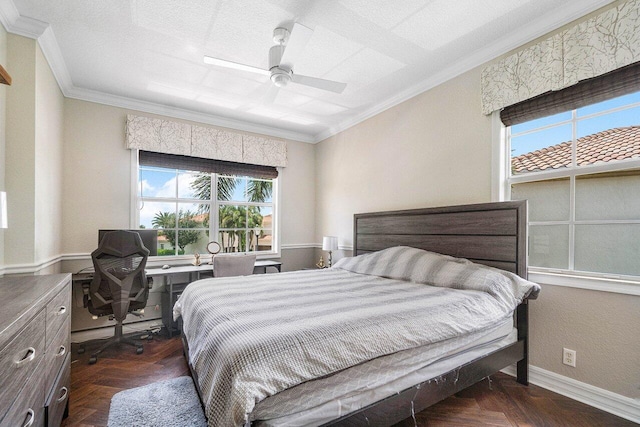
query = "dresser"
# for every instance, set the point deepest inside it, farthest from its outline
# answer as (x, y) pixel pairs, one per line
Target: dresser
(35, 363)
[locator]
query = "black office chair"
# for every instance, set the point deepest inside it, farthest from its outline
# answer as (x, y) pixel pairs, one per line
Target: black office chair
(119, 284)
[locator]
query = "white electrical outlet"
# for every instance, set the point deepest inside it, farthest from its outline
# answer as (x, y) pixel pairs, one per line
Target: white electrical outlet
(569, 357)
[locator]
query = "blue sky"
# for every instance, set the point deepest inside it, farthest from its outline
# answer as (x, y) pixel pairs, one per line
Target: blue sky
(552, 136)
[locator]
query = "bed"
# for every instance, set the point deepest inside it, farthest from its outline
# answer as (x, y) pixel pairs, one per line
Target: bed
(327, 389)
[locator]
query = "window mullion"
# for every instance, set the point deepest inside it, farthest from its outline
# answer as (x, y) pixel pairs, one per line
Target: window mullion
(215, 209)
(572, 189)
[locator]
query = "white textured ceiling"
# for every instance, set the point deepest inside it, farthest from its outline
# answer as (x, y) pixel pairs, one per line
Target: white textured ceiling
(148, 54)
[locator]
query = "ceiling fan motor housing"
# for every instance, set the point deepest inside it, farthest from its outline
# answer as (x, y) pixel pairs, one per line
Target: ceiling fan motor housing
(280, 75)
(281, 35)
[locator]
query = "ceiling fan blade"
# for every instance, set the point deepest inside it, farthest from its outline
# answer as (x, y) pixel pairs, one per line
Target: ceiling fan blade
(230, 64)
(319, 83)
(298, 39)
(270, 96)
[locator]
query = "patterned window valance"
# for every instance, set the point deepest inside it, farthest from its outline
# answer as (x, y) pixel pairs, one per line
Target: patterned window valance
(166, 136)
(604, 43)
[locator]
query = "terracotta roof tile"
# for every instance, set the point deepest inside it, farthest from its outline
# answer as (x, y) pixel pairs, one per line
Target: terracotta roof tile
(612, 144)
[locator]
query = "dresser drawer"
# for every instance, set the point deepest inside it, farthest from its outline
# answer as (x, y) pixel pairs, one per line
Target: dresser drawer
(19, 359)
(56, 354)
(28, 408)
(58, 311)
(57, 400)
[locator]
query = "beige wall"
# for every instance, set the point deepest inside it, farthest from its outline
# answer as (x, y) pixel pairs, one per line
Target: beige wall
(435, 149)
(297, 187)
(97, 174)
(33, 162)
(20, 151)
(3, 111)
(48, 163)
(423, 152)
(602, 327)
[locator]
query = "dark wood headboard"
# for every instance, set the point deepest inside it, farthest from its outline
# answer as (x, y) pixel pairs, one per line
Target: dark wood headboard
(493, 234)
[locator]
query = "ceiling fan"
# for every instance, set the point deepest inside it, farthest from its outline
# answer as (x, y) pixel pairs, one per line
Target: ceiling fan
(289, 45)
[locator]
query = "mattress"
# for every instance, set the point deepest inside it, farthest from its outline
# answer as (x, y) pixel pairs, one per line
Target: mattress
(320, 401)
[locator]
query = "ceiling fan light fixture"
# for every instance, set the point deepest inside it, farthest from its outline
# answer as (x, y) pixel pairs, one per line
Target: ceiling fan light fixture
(279, 77)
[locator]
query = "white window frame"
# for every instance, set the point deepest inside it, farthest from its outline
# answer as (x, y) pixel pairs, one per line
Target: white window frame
(501, 191)
(134, 220)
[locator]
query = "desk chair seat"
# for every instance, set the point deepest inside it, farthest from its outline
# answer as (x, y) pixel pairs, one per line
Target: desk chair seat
(233, 265)
(119, 284)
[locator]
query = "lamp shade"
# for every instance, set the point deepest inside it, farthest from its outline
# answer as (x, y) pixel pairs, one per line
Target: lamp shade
(3, 210)
(329, 243)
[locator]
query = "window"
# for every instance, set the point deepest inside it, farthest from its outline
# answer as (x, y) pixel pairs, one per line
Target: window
(189, 206)
(580, 171)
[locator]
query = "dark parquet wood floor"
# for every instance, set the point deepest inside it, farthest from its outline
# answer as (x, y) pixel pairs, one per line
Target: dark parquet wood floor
(501, 403)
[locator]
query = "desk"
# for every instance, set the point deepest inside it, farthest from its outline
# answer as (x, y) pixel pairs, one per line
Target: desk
(172, 288)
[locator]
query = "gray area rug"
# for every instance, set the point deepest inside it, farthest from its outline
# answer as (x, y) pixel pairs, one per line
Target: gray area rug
(167, 403)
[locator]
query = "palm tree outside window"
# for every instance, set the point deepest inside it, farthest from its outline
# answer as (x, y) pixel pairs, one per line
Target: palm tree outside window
(180, 205)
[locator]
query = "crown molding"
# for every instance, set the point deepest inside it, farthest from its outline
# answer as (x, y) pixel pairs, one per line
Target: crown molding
(32, 28)
(561, 16)
(14, 23)
(51, 51)
(179, 113)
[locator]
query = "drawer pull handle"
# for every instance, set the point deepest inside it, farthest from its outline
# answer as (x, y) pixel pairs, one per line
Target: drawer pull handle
(62, 310)
(32, 418)
(65, 393)
(31, 354)
(62, 351)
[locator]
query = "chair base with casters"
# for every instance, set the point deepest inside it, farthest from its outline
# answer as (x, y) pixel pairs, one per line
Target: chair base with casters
(117, 338)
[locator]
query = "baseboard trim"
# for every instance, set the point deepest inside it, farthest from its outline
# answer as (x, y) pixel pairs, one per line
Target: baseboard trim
(107, 331)
(616, 404)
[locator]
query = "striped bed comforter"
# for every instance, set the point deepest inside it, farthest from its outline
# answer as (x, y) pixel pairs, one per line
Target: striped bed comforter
(252, 337)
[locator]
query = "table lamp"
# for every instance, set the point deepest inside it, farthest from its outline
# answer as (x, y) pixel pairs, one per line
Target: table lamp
(329, 243)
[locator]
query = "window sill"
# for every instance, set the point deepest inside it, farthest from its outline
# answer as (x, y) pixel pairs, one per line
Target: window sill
(603, 284)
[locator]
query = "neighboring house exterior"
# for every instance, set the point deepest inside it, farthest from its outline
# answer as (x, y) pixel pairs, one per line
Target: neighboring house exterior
(265, 242)
(612, 144)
